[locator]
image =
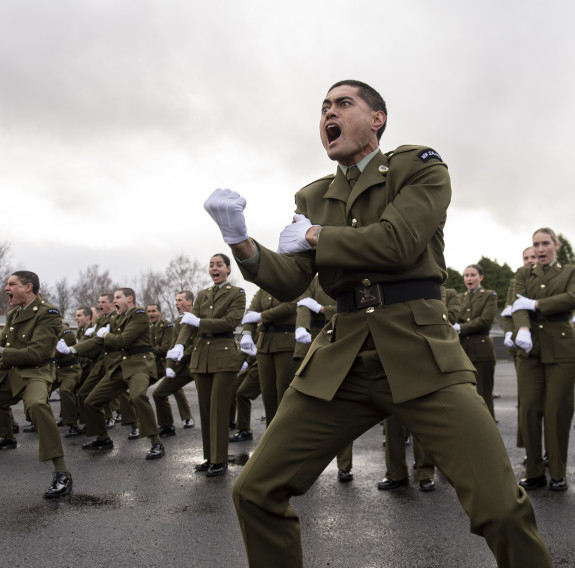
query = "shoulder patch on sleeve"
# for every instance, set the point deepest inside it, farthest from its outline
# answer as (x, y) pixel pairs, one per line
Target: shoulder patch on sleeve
(67, 331)
(140, 311)
(495, 293)
(429, 154)
(242, 291)
(53, 311)
(170, 325)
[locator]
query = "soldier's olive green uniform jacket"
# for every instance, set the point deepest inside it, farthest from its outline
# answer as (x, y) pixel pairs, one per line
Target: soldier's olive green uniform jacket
(29, 338)
(69, 364)
(550, 325)
(162, 335)
(311, 321)
(93, 347)
(452, 300)
(214, 349)
(129, 344)
(184, 362)
(478, 309)
(276, 330)
(389, 229)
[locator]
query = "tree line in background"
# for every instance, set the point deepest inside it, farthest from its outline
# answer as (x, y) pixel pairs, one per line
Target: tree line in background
(182, 273)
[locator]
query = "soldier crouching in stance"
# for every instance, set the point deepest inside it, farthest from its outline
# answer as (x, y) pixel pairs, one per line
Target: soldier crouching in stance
(27, 347)
(374, 234)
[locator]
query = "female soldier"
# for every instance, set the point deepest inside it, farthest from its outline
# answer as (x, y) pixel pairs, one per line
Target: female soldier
(214, 359)
(546, 367)
(478, 308)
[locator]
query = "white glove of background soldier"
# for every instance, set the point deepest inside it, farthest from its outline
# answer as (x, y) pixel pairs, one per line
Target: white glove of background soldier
(176, 352)
(311, 304)
(302, 335)
(523, 340)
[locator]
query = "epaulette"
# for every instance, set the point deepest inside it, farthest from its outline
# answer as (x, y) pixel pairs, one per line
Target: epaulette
(324, 178)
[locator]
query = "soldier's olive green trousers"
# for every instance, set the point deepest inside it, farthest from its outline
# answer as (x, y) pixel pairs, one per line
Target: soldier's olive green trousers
(38, 411)
(107, 390)
(395, 461)
(215, 392)
(545, 390)
(172, 386)
(453, 424)
(249, 389)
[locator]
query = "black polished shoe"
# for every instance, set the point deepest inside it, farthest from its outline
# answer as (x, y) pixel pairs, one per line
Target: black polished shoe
(242, 436)
(533, 482)
(166, 431)
(96, 444)
(202, 466)
(560, 485)
(134, 434)
(61, 485)
(344, 475)
(15, 428)
(427, 485)
(72, 431)
(59, 423)
(189, 423)
(156, 452)
(232, 425)
(29, 429)
(216, 469)
(8, 443)
(385, 484)
(118, 417)
(110, 423)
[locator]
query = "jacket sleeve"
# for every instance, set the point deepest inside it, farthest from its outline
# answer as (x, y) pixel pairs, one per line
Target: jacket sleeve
(132, 330)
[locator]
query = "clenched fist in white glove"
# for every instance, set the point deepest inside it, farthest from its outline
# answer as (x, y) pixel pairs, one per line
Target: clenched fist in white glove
(523, 340)
(226, 208)
(247, 345)
(523, 303)
(252, 317)
(90, 331)
(103, 331)
(61, 347)
(170, 373)
(457, 327)
(508, 342)
(507, 311)
(302, 335)
(176, 352)
(292, 238)
(311, 304)
(190, 319)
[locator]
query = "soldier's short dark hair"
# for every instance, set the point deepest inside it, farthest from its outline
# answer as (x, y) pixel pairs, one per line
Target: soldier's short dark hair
(127, 292)
(224, 257)
(477, 267)
(188, 294)
(85, 311)
(28, 277)
(369, 95)
(157, 304)
(108, 295)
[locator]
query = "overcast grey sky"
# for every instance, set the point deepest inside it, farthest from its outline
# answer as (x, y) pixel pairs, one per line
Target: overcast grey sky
(119, 117)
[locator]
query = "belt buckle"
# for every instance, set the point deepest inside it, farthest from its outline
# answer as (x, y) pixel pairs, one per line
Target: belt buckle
(366, 296)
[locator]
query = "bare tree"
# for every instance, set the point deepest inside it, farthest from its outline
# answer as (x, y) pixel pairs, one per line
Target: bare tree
(6, 269)
(91, 284)
(151, 289)
(63, 297)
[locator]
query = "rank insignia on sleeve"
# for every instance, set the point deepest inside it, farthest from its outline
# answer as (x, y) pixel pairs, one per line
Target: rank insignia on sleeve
(53, 311)
(429, 154)
(140, 311)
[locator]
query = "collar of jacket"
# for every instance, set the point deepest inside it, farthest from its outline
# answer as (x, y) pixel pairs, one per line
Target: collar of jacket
(30, 311)
(373, 174)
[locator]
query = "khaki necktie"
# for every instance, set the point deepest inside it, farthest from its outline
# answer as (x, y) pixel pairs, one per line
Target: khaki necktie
(352, 174)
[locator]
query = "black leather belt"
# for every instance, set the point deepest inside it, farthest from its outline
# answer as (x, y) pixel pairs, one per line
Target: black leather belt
(318, 322)
(279, 328)
(137, 350)
(226, 335)
(49, 361)
(385, 294)
(69, 363)
(483, 332)
(538, 317)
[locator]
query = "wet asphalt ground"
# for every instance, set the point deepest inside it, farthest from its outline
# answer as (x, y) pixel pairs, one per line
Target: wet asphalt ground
(128, 512)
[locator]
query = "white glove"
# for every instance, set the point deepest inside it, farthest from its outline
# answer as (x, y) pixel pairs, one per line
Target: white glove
(226, 208)
(311, 304)
(176, 352)
(243, 368)
(247, 345)
(507, 312)
(170, 373)
(61, 347)
(457, 327)
(302, 335)
(252, 317)
(523, 340)
(292, 238)
(103, 331)
(190, 319)
(90, 330)
(523, 303)
(508, 342)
